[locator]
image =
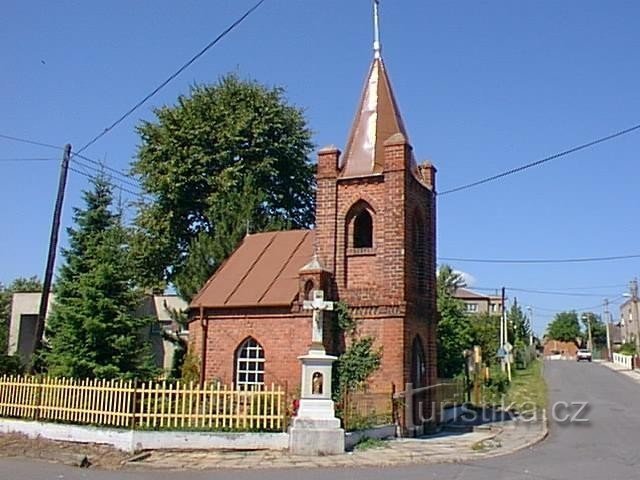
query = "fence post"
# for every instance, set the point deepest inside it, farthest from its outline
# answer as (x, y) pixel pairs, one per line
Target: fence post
(134, 397)
(38, 399)
(285, 407)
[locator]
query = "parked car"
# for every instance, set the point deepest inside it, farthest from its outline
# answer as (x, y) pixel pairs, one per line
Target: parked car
(583, 354)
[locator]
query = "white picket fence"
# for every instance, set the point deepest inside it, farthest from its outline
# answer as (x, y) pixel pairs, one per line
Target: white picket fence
(625, 361)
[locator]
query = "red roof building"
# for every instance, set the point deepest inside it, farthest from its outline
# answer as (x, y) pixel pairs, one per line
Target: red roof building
(373, 248)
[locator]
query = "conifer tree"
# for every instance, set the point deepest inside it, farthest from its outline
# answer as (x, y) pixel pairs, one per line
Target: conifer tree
(93, 331)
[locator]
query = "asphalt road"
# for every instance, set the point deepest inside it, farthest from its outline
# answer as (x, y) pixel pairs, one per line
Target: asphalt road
(606, 447)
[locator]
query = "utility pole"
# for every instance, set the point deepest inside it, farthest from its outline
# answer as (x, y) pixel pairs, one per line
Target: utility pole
(502, 330)
(607, 324)
(51, 257)
(634, 300)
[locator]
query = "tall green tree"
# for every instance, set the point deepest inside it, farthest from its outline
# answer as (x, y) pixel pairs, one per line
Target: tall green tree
(224, 158)
(454, 332)
(19, 285)
(565, 327)
(486, 334)
(519, 325)
(93, 330)
(598, 328)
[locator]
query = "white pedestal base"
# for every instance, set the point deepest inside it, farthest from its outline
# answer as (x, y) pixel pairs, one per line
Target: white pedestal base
(316, 430)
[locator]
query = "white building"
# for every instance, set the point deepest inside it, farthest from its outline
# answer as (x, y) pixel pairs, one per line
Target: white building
(24, 314)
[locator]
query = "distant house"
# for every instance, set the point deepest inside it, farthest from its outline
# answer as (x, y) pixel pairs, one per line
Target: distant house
(476, 303)
(629, 321)
(557, 348)
(24, 314)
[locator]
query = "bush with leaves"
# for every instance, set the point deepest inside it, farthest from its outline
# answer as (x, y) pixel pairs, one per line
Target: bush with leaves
(359, 360)
(11, 365)
(455, 330)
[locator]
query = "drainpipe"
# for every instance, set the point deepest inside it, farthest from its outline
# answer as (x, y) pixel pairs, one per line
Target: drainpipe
(204, 323)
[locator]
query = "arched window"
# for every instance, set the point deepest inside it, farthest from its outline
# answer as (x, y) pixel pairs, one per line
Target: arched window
(418, 364)
(249, 365)
(363, 230)
(419, 252)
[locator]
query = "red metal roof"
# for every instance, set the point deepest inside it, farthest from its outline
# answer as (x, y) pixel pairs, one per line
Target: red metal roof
(261, 272)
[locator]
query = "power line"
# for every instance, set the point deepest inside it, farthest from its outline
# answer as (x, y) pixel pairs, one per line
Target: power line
(566, 294)
(48, 145)
(33, 159)
(540, 261)
(119, 187)
(542, 161)
(105, 167)
(30, 142)
(101, 168)
(173, 75)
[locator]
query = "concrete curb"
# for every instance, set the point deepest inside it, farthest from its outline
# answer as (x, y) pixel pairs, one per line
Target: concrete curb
(374, 458)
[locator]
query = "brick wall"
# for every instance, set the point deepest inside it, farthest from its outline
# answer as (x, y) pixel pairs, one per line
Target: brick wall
(283, 337)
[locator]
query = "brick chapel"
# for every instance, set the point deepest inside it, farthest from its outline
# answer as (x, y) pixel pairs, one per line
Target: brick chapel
(373, 247)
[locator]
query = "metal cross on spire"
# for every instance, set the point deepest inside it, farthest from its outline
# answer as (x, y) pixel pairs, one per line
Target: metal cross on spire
(377, 47)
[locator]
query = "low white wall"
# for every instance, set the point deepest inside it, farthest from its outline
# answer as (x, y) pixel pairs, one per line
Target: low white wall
(148, 440)
(120, 439)
(623, 360)
(351, 439)
(136, 440)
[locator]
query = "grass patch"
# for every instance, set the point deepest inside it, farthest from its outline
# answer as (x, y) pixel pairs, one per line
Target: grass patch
(528, 389)
(367, 443)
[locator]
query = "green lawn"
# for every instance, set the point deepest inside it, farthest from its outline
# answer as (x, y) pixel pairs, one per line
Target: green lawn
(528, 389)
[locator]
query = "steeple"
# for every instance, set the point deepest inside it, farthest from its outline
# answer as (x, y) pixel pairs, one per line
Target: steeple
(377, 118)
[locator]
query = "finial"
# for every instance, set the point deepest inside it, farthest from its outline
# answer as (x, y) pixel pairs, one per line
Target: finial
(377, 48)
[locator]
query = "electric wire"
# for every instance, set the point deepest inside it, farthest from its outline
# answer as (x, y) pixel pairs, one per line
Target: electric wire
(27, 159)
(93, 178)
(74, 154)
(541, 161)
(541, 261)
(172, 76)
(102, 165)
(30, 142)
(100, 170)
(565, 294)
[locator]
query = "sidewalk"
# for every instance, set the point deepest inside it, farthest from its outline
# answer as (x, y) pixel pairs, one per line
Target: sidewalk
(490, 440)
(634, 375)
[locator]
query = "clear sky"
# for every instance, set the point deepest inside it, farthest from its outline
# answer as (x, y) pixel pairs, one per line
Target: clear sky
(483, 86)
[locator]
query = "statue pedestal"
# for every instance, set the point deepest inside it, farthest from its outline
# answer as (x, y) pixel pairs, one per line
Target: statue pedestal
(316, 430)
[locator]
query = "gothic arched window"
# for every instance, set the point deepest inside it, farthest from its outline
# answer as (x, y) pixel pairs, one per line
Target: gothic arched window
(249, 365)
(363, 230)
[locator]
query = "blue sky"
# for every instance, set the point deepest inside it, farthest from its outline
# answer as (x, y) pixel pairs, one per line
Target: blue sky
(483, 86)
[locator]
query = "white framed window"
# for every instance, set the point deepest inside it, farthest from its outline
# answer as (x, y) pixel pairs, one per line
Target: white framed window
(495, 307)
(249, 365)
(472, 307)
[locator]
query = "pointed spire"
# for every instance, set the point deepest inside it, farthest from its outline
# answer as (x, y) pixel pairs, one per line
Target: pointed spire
(378, 118)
